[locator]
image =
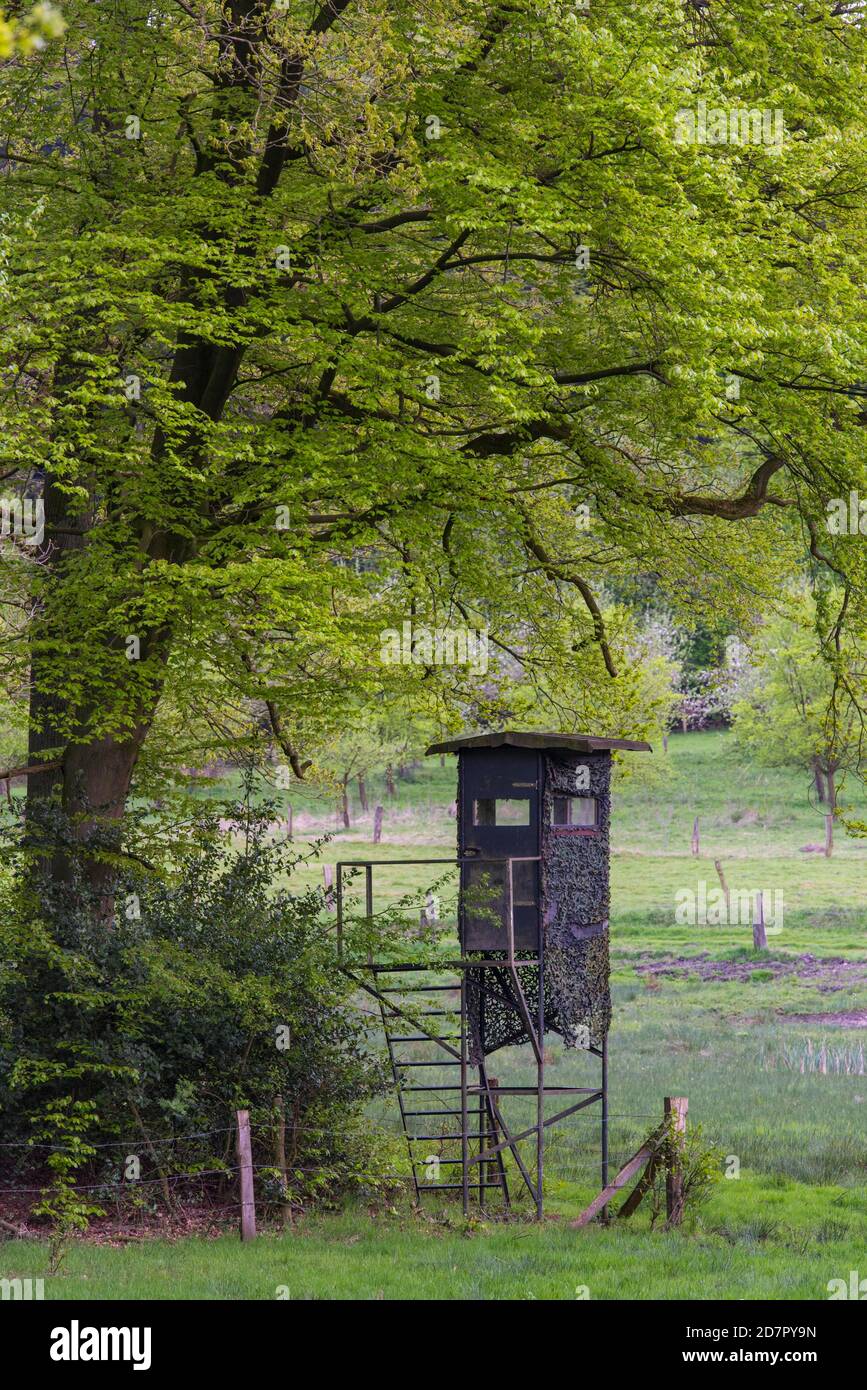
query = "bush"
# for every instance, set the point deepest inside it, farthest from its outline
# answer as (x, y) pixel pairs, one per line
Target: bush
(215, 988)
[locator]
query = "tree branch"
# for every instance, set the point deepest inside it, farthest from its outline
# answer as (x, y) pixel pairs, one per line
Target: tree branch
(750, 502)
(555, 571)
(29, 771)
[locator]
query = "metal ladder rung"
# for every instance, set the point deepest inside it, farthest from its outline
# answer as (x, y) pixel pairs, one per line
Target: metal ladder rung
(404, 1012)
(425, 1037)
(406, 1090)
(454, 1186)
(431, 1112)
(422, 1162)
(447, 1062)
(418, 989)
(439, 1111)
(411, 967)
(445, 1138)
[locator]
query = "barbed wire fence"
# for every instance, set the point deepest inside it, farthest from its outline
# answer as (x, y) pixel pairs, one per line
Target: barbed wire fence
(265, 1187)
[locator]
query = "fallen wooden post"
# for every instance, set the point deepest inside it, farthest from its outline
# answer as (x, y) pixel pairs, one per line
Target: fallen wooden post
(640, 1190)
(245, 1169)
(647, 1151)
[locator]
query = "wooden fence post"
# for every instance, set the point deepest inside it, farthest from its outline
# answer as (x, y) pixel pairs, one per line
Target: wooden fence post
(280, 1159)
(429, 915)
(289, 822)
(245, 1169)
(722, 878)
(760, 940)
(675, 1106)
(695, 840)
(377, 825)
(328, 879)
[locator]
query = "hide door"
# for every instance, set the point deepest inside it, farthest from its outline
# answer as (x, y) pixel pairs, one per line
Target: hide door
(499, 819)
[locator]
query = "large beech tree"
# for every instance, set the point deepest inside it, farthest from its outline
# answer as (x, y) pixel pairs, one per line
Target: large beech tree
(288, 284)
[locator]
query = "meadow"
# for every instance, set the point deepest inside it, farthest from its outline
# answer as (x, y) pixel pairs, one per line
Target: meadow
(769, 1048)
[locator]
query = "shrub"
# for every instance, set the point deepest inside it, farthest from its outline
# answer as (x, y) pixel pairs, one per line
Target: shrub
(700, 1164)
(215, 988)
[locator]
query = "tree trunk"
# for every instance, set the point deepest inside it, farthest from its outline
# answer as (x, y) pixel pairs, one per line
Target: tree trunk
(819, 782)
(95, 772)
(831, 803)
(362, 793)
(389, 781)
(92, 780)
(344, 806)
(62, 538)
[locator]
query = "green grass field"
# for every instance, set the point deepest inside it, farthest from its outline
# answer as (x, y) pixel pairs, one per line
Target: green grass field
(768, 1048)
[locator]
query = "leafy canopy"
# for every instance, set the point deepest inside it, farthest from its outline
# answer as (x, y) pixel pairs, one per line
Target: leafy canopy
(319, 318)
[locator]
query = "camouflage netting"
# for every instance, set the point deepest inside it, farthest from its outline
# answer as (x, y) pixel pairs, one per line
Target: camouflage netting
(574, 906)
(494, 1017)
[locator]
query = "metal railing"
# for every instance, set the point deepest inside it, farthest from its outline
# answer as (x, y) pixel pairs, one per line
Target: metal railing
(458, 861)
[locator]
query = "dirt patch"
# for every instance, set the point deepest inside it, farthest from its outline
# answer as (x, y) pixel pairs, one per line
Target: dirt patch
(827, 973)
(116, 1230)
(857, 1019)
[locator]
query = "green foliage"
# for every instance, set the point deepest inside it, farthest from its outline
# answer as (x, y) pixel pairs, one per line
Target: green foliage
(65, 1122)
(638, 704)
(700, 1164)
(802, 699)
(213, 990)
(28, 34)
(303, 347)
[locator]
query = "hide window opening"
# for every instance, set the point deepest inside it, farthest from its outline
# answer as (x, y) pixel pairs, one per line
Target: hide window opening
(524, 883)
(490, 810)
(575, 812)
(485, 889)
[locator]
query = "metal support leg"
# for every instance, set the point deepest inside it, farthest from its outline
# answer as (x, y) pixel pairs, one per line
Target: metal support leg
(465, 1145)
(540, 1094)
(604, 1136)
